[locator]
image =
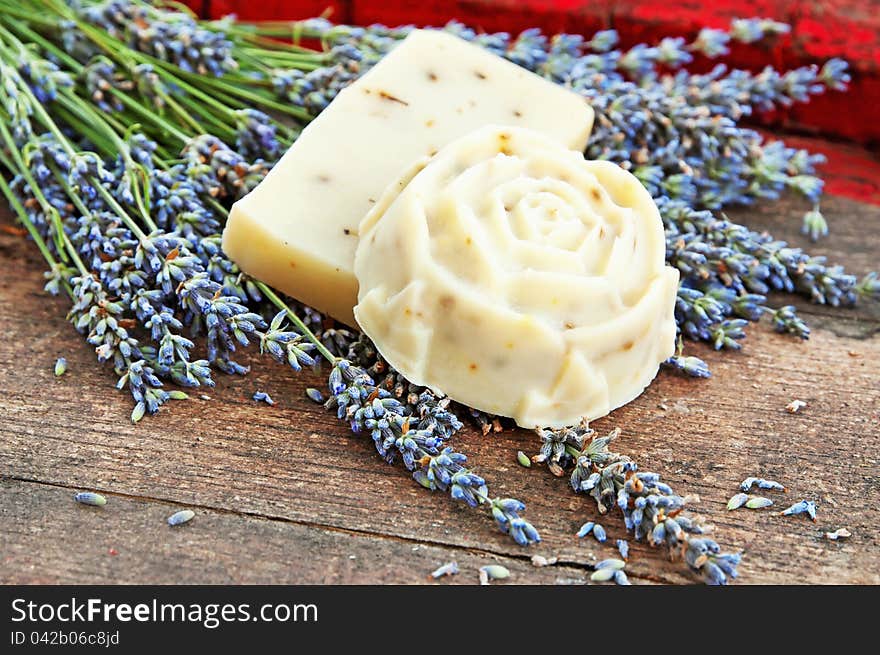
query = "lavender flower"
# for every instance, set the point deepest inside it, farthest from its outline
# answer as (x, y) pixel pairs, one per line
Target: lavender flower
(169, 36)
(869, 287)
(149, 85)
(181, 517)
(256, 135)
(90, 498)
(651, 510)
(761, 483)
(834, 74)
(603, 41)
(736, 501)
(807, 507)
(693, 366)
(749, 30)
(495, 572)
(758, 502)
(585, 529)
(711, 42)
(42, 76)
(100, 77)
(417, 436)
(690, 123)
(262, 396)
(450, 568)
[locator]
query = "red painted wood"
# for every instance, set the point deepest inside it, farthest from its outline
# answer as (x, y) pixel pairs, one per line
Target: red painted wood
(490, 15)
(851, 171)
(849, 29)
(337, 10)
(197, 6)
(840, 28)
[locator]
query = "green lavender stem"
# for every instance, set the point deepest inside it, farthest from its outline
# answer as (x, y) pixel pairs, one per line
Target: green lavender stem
(297, 321)
(62, 241)
(74, 66)
(24, 220)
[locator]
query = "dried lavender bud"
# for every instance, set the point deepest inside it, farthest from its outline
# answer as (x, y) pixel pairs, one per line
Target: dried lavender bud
(262, 396)
(181, 517)
(540, 560)
(495, 571)
(450, 568)
(869, 287)
(749, 30)
(137, 295)
(805, 506)
(623, 548)
(585, 529)
(256, 136)
(746, 485)
(621, 579)
(795, 406)
(599, 533)
(315, 396)
(650, 508)
(415, 429)
(737, 501)
(603, 575)
(840, 533)
(761, 483)
(100, 77)
(90, 498)
(614, 564)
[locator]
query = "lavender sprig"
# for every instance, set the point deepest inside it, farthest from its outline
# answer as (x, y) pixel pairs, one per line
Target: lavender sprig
(417, 436)
(651, 511)
(414, 428)
(174, 37)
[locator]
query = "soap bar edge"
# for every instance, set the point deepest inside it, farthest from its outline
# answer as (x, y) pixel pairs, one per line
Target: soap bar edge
(263, 261)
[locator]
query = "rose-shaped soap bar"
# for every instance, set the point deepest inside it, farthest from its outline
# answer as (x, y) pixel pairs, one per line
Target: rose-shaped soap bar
(518, 278)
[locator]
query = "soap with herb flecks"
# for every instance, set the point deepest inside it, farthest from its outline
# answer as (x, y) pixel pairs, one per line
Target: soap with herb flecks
(518, 278)
(298, 229)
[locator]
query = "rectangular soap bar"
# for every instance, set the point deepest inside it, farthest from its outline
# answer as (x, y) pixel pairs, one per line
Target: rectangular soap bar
(297, 231)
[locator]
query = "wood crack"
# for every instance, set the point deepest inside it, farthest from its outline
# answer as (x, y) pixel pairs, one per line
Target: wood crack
(482, 552)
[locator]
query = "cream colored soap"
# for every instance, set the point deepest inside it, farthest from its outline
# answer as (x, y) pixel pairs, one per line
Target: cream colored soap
(518, 278)
(297, 231)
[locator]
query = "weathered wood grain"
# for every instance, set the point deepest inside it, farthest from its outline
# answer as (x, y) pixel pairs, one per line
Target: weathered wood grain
(291, 475)
(49, 539)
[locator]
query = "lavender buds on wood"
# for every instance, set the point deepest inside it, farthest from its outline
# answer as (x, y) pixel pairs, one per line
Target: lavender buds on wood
(90, 498)
(651, 510)
(127, 130)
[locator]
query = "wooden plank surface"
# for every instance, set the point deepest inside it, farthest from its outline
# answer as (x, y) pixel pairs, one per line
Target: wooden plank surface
(288, 494)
